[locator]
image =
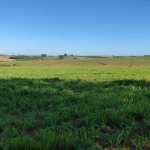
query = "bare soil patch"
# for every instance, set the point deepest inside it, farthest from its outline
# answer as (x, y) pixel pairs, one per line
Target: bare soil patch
(6, 58)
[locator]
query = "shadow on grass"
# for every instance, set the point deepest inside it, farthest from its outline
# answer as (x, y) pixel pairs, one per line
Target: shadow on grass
(89, 112)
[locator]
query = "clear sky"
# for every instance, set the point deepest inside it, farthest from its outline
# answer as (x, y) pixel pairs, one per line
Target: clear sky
(81, 27)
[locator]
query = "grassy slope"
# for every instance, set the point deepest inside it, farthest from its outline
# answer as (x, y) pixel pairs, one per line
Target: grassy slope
(93, 62)
(111, 62)
(75, 105)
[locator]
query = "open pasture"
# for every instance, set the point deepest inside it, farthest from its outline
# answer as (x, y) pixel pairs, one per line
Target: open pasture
(74, 106)
(83, 62)
(95, 62)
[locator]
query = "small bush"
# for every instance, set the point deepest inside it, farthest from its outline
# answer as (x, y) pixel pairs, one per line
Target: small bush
(4, 65)
(16, 65)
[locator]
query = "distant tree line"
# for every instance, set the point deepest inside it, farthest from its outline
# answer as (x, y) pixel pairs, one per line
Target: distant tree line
(25, 57)
(65, 55)
(38, 57)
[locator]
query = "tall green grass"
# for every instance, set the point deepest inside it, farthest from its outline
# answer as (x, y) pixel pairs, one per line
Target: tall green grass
(74, 108)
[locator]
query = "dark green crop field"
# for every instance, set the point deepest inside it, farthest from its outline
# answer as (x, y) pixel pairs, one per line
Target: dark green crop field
(74, 106)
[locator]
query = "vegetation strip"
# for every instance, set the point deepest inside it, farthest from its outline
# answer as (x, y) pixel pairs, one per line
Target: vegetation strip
(74, 108)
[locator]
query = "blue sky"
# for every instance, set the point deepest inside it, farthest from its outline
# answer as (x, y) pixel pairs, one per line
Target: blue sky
(81, 27)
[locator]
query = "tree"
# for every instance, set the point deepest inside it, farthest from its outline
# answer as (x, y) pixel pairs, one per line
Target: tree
(43, 55)
(71, 55)
(65, 55)
(61, 57)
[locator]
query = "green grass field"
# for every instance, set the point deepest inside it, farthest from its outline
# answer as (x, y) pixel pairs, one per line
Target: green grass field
(75, 104)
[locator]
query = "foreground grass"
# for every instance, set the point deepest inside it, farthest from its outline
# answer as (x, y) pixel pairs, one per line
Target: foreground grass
(74, 108)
